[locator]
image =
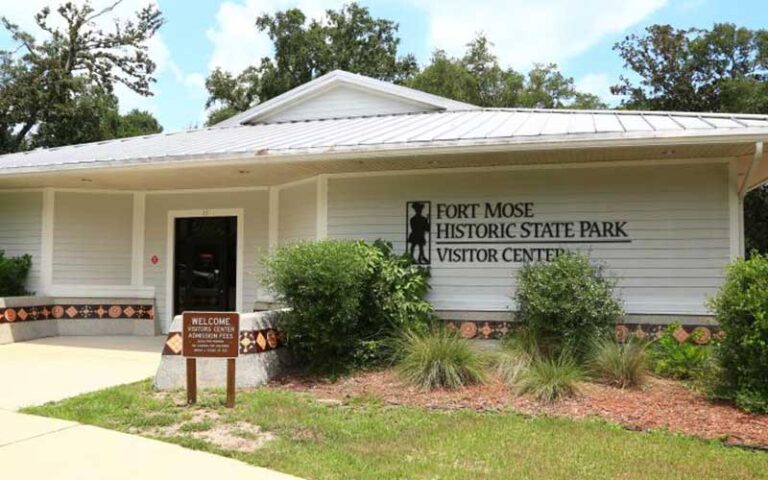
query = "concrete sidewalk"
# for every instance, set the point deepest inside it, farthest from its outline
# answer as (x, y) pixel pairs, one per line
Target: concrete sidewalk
(51, 369)
(55, 368)
(37, 447)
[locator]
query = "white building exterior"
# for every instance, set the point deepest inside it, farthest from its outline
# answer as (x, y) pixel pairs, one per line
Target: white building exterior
(656, 196)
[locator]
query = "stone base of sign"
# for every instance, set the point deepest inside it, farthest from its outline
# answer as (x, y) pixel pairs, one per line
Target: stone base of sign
(261, 356)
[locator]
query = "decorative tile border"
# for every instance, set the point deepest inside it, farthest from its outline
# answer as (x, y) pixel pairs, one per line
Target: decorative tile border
(486, 330)
(251, 341)
(68, 311)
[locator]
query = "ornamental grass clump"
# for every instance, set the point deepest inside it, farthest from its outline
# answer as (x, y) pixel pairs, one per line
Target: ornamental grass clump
(551, 378)
(439, 358)
(515, 356)
(619, 364)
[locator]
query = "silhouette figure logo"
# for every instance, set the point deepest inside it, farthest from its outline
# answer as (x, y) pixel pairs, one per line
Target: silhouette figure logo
(418, 237)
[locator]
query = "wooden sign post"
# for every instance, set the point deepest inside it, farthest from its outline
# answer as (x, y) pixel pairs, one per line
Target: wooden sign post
(210, 335)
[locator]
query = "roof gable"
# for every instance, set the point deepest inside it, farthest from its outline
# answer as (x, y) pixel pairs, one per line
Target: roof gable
(341, 94)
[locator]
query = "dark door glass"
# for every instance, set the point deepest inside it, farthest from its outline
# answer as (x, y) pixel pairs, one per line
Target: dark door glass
(205, 264)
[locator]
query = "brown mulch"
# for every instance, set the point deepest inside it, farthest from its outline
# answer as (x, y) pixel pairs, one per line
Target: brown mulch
(658, 404)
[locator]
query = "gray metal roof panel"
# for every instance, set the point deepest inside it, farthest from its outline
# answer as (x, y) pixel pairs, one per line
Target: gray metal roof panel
(364, 134)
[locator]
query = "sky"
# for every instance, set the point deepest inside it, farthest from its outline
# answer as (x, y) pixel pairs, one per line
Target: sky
(200, 35)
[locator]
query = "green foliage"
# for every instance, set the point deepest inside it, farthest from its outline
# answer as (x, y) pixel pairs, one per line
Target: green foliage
(756, 221)
(741, 307)
(620, 364)
(137, 122)
(89, 118)
(348, 39)
(346, 298)
(551, 378)
(723, 69)
(56, 91)
(439, 359)
(478, 78)
(13, 274)
(565, 303)
(397, 290)
(681, 361)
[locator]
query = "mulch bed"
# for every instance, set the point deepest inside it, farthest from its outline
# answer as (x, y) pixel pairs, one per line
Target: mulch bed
(658, 404)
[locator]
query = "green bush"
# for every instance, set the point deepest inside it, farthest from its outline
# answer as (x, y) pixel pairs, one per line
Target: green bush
(620, 364)
(566, 302)
(551, 378)
(678, 360)
(346, 298)
(13, 274)
(439, 359)
(741, 307)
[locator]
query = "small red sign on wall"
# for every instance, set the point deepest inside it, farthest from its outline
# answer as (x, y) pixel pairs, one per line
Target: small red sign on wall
(154, 259)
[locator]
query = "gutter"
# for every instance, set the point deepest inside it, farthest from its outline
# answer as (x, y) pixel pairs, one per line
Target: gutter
(744, 188)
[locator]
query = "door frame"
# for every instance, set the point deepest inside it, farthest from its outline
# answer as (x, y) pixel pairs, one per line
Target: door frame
(238, 214)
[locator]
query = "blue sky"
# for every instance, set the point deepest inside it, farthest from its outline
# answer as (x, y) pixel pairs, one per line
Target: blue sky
(579, 36)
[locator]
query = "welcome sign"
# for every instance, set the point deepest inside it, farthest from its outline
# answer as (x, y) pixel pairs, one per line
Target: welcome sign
(492, 232)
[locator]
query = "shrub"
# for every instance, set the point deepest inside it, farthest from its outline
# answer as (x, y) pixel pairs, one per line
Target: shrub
(678, 360)
(397, 289)
(439, 359)
(620, 364)
(551, 378)
(741, 307)
(13, 274)
(566, 302)
(345, 299)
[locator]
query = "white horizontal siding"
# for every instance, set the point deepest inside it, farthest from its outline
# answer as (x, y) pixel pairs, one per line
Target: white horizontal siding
(92, 238)
(20, 230)
(677, 218)
(255, 205)
(345, 101)
(297, 218)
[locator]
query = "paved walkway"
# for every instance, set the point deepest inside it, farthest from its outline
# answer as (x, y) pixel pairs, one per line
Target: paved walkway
(51, 369)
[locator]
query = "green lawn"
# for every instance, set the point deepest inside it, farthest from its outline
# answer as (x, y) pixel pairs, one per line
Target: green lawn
(365, 440)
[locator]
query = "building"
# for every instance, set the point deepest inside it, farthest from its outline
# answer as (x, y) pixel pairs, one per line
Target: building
(126, 233)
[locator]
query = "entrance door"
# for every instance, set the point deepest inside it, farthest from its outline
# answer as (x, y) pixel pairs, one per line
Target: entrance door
(205, 257)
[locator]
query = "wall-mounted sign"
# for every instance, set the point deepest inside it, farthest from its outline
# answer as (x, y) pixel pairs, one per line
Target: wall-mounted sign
(492, 232)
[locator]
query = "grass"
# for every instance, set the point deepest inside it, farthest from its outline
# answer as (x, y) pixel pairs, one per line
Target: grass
(549, 379)
(439, 359)
(364, 439)
(620, 364)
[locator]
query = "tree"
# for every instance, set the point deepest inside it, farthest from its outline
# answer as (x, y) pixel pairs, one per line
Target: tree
(477, 78)
(91, 117)
(719, 70)
(52, 86)
(137, 122)
(348, 39)
(724, 69)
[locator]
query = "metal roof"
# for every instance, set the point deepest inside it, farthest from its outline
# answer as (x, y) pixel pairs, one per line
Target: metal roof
(340, 77)
(410, 133)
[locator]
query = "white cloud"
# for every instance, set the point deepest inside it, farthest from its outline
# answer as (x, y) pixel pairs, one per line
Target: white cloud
(528, 31)
(237, 43)
(598, 84)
